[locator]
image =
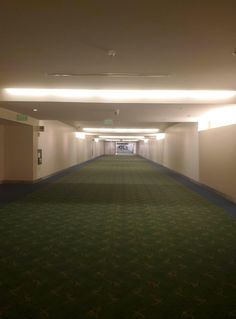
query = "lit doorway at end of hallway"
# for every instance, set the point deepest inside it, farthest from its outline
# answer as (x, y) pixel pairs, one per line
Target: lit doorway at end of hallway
(125, 148)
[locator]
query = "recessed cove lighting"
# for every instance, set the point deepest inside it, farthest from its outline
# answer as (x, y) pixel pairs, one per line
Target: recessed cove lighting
(122, 96)
(27, 92)
(80, 135)
(119, 140)
(120, 130)
(112, 75)
(160, 136)
(136, 137)
(218, 117)
(129, 140)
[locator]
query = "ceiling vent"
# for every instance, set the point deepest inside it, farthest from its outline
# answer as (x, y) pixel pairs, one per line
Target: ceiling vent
(111, 75)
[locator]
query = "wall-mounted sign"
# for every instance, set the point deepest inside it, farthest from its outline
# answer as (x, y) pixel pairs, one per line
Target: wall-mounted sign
(40, 156)
(22, 117)
(108, 122)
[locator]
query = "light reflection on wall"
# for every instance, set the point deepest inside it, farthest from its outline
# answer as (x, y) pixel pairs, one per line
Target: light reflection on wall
(218, 117)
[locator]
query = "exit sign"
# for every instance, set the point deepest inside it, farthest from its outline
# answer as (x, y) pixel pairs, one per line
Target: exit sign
(22, 117)
(108, 122)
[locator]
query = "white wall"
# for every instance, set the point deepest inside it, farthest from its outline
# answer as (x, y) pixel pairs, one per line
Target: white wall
(110, 148)
(61, 149)
(217, 149)
(178, 151)
(2, 150)
(99, 148)
(58, 146)
(181, 152)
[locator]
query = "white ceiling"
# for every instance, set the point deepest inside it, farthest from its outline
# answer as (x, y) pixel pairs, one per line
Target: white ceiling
(192, 41)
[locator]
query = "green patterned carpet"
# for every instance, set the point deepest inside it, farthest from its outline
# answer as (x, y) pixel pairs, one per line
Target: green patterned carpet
(117, 240)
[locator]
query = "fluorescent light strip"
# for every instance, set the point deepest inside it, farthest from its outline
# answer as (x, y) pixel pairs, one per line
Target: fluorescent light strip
(139, 137)
(151, 96)
(130, 141)
(110, 75)
(120, 130)
(120, 140)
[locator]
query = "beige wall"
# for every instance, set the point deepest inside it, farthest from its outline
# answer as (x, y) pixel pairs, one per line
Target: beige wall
(58, 147)
(152, 150)
(99, 148)
(210, 154)
(217, 148)
(207, 156)
(178, 151)
(181, 149)
(110, 148)
(2, 150)
(61, 149)
(18, 155)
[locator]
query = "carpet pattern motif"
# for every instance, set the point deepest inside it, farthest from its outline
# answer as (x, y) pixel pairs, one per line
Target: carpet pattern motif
(117, 240)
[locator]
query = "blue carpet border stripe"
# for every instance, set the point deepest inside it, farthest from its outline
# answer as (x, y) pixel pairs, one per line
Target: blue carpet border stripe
(210, 194)
(10, 192)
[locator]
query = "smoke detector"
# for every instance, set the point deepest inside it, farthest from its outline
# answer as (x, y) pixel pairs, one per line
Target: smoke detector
(111, 53)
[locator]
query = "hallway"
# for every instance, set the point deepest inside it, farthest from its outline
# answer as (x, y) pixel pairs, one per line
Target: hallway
(118, 239)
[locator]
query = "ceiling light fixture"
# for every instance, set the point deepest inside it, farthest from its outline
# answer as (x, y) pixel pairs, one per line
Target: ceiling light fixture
(136, 137)
(119, 140)
(120, 130)
(130, 140)
(111, 53)
(123, 96)
(111, 75)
